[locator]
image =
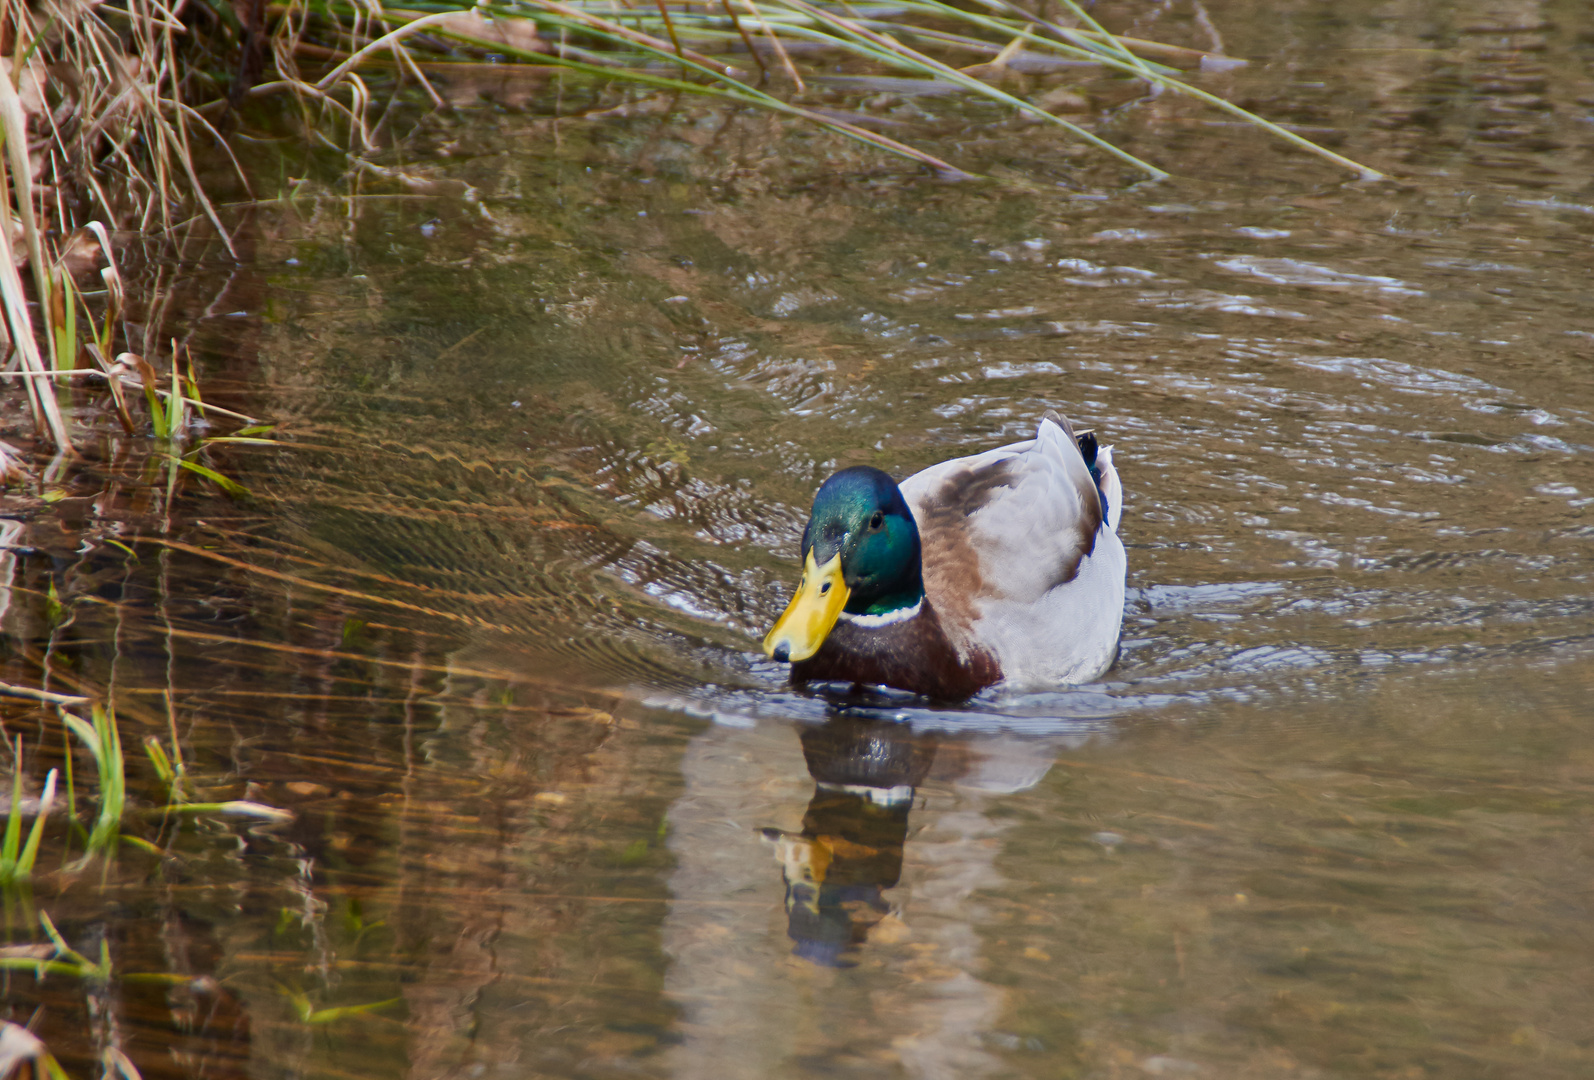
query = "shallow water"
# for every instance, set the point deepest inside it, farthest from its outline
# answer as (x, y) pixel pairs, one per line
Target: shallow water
(489, 628)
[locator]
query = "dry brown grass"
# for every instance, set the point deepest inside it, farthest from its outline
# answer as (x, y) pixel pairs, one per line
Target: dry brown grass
(99, 142)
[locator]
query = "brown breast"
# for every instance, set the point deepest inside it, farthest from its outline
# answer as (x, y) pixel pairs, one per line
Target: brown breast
(913, 655)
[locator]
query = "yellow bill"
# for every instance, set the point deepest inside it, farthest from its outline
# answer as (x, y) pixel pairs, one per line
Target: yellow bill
(821, 595)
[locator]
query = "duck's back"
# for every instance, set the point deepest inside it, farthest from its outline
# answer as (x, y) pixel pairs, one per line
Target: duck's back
(1022, 557)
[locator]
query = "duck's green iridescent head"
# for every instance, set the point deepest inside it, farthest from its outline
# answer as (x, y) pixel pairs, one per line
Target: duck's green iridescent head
(860, 556)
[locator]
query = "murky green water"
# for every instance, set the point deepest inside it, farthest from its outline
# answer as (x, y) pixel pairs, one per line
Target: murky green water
(489, 628)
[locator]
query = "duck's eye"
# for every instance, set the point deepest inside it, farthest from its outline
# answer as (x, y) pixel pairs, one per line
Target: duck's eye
(824, 587)
(877, 520)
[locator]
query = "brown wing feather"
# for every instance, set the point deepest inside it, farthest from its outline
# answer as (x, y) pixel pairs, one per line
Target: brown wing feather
(953, 578)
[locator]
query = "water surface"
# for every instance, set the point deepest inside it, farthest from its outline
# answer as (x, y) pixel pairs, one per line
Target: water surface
(489, 627)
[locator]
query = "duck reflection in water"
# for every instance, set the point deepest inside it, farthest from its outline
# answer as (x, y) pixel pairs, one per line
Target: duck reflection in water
(849, 852)
(865, 934)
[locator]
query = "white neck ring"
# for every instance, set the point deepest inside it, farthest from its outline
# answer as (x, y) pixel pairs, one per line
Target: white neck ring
(889, 618)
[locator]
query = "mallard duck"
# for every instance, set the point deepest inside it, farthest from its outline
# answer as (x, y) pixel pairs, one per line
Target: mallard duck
(999, 567)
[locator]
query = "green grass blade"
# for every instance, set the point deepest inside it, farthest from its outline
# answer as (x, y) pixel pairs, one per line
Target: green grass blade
(63, 321)
(81, 964)
(231, 487)
(13, 839)
(157, 413)
(1107, 39)
(141, 844)
(30, 851)
(118, 544)
(327, 1016)
(1067, 43)
(71, 793)
(47, 967)
(301, 1003)
(234, 808)
(113, 790)
(86, 735)
(19, 66)
(163, 768)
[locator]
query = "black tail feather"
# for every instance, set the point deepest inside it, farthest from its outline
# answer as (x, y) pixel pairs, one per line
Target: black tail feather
(1087, 450)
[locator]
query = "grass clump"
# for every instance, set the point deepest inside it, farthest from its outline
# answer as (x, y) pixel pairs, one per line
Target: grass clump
(101, 737)
(104, 741)
(99, 139)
